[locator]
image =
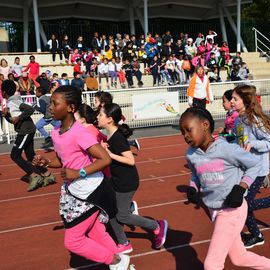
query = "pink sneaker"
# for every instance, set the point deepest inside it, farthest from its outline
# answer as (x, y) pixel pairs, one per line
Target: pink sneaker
(124, 248)
(160, 237)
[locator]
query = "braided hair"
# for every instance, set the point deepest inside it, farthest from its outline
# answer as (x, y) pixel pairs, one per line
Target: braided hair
(202, 114)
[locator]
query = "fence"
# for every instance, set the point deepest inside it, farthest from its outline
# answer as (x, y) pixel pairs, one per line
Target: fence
(124, 99)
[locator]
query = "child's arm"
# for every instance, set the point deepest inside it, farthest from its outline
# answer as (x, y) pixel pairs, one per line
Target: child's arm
(26, 110)
(102, 160)
(126, 157)
(262, 144)
(42, 106)
(45, 162)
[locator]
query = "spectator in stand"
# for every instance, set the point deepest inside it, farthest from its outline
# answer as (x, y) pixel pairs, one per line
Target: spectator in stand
(4, 68)
(128, 52)
(113, 73)
(104, 42)
(88, 60)
(167, 37)
(54, 47)
(154, 64)
(33, 68)
(128, 69)
(103, 72)
(136, 70)
(237, 59)
(80, 45)
(108, 54)
(151, 49)
(44, 82)
(170, 66)
(179, 69)
(158, 41)
(94, 68)
(216, 51)
(178, 48)
(126, 39)
(199, 39)
(78, 67)
(96, 42)
(55, 79)
(208, 48)
(64, 79)
(78, 82)
(141, 40)
(165, 76)
(167, 48)
(3, 104)
(244, 71)
(198, 60)
(234, 75)
(26, 85)
(119, 43)
(66, 47)
(16, 69)
(214, 75)
(201, 48)
(120, 72)
(134, 42)
(12, 78)
(211, 35)
(212, 63)
(222, 63)
(187, 67)
(149, 35)
(225, 48)
(190, 48)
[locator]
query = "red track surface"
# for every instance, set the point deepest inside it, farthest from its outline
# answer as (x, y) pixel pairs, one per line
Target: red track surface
(31, 233)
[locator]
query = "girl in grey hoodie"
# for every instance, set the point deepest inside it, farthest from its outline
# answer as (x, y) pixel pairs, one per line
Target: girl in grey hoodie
(221, 174)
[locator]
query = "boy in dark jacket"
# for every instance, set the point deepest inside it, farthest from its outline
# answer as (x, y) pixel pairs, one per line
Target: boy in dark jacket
(43, 107)
(19, 114)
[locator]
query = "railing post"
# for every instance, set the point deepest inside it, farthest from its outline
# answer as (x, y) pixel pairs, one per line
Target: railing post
(256, 41)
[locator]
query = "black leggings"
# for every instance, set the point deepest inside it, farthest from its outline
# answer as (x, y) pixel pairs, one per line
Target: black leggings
(25, 143)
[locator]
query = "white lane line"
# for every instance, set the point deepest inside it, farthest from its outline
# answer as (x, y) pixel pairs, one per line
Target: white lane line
(59, 221)
(155, 252)
(53, 193)
(138, 162)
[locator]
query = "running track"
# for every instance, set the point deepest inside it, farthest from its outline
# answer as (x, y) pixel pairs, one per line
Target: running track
(31, 232)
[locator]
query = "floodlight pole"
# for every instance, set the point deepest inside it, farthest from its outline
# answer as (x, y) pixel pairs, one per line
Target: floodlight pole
(145, 8)
(238, 25)
(36, 19)
(222, 23)
(131, 19)
(25, 27)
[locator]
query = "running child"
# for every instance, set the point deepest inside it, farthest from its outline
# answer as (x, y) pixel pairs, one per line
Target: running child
(231, 114)
(19, 114)
(102, 98)
(85, 191)
(43, 107)
(125, 179)
(252, 128)
(221, 174)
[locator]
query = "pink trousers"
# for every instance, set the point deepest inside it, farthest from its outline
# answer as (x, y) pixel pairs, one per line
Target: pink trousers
(226, 240)
(90, 240)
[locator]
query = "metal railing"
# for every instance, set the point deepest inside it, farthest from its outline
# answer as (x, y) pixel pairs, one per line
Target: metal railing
(262, 43)
(124, 99)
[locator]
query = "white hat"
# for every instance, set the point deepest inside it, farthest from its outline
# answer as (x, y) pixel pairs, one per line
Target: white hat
(190, 39)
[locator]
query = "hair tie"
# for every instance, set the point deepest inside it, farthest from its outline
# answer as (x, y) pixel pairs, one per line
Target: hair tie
(120, 122)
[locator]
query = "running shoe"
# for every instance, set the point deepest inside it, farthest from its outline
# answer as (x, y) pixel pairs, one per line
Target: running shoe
(161, 234)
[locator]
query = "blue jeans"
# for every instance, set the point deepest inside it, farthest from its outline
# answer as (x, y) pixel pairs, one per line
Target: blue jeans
(43, 122)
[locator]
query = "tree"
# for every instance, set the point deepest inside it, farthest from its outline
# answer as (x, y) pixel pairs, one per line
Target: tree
(258, 10)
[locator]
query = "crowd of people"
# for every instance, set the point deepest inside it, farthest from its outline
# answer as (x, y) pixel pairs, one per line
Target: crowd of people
(170, 60)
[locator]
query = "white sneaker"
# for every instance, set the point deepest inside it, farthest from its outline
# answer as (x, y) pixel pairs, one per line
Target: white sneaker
(122, 265)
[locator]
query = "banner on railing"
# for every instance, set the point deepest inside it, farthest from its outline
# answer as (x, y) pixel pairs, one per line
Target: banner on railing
(155, 105)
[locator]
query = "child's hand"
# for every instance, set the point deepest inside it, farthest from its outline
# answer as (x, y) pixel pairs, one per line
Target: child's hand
(70, 174)
(235, 197)
(193, 195)
(5, 110)
(38, 160)
(15, 120)
(247, 147)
